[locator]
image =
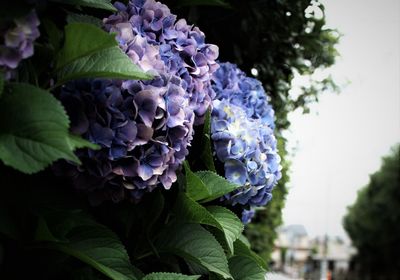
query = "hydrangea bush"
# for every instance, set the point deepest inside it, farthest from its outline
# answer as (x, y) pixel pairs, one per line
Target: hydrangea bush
(242, 132)
(116, 109)
(144, 128)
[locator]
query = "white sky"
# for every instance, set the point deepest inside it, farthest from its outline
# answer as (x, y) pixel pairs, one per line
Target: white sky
(342, 141)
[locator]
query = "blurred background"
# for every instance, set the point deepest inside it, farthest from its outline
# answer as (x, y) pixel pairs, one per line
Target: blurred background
(341, 142)
(332, 70)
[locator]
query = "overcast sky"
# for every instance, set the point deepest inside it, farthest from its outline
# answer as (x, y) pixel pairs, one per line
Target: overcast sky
(342, 141)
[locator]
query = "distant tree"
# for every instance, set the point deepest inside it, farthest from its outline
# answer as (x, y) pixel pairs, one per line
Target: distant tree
(373, 222)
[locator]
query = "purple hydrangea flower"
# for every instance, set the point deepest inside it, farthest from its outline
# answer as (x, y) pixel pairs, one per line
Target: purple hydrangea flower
(242, 133)
(144, 128)
(182, 47)
(16, 41)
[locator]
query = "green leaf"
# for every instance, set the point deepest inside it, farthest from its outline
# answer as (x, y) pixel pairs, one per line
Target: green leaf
(82, 39)
(100, 248)
(43, 233)
(205, 186)
(169, 276)
(107, 63)
(89, 51)
(188, 210)
(77, 234)
(245, 268)
(244, 240)
(195, 268)
(243, 249)
(76, 18)
(195, 188)
(55, 35)
(33, 129)
(232, 227)
(77, 142)
(54, 224)
(213, 276)
(100, 4)
(194, 243)
(217, 186)
(206, 155)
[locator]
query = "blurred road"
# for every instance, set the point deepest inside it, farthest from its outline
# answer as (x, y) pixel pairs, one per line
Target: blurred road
(278, 276)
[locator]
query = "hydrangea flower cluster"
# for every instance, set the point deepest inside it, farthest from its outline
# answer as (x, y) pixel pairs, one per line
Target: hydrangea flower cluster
(182, 47)
(144, 128)
(242, 132)
(16, 41)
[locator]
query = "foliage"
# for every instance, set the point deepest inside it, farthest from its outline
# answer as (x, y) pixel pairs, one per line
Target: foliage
(372, 222)
(62, 223)
(37, 122)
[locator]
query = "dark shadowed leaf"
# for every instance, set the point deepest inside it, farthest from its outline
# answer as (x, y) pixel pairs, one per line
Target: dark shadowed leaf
(195, 188)
(100, 4)
(242, 249)
(206, 154)
(169, 276)
(33, 129)
(78, 142)
(194, 243)
(245, 268)
(100, 248)
(205, 186)
(54, 34)
(73, 17)
(188, 210)
(77, 234)
(231, 225)
(217, 186)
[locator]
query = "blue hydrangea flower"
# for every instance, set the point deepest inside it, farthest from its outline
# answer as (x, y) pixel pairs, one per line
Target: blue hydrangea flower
(242, 133)
(182, 47)
(16, 41)
(231, 83)
(144, 128)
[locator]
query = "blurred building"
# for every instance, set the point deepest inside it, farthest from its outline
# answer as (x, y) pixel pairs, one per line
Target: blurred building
(301, 257)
